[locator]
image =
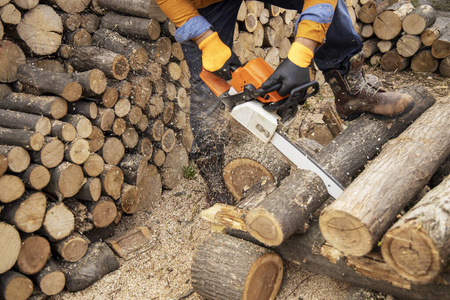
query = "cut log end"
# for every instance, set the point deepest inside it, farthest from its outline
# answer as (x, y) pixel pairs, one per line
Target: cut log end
(264, 227)
(9, 246)
(33, 255)
(345, 232)
(411, 252)
(16, 286)
(120, 67)
(72, 91)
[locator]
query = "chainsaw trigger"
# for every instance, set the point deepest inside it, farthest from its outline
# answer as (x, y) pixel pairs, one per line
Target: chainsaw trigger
(297, 96)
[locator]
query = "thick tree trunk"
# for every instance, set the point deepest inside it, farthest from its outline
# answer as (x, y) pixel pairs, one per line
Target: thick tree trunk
(20, 120)
(9, 246)
(357, 219)
(417, 245)
(98, 261)
(50, 106)
(237, 269)
(34, 253)
(15, 286)
(18, 158)
(72, 248)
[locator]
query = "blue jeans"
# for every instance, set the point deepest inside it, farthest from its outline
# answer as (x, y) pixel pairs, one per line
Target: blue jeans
(341, 44)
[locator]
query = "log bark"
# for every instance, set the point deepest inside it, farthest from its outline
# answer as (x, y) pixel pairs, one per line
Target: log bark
(85, 58)
(72, 6)
(103, 211)
(112, 179)
(77, 151)
(417, 245)
(11, 188)
(133, 168)
(143, 28)
(236, 268)
(84, 108)
(50, 106)
(388, 24)
(15, 286)
(424, 61)
(20, 120)
(34, 253)
(420, 18)
(51, 154)
(441, 46)
(3, 164)
(18, 158)
(41, 28)
(444, 67)
(51, 279)
(30, 140)
(11, 56)
(9, 247)
(66, 180)
(393, 61)
(72, 248)
(91, 190)
(141, 8)
(353, 225)
(172, 169)
(112, 151)
(137, 56)
(430, 34)
(94, 165)
(81, 274)
(36, 177)
(93, 82)
(82, 124)
(59, 222)
(26, 213)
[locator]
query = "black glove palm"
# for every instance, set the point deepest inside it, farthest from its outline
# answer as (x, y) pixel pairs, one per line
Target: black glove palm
(289, 75)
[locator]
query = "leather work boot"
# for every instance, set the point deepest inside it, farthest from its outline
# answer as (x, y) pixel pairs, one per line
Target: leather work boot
(211, 171)
(354, 95)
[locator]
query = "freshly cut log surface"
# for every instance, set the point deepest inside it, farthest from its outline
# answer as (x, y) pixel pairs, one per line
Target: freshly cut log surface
(33, 255)
(18, 158)
(50, 279)
(9, 246)
(424, 61)
(15, 286)
(11, 188)
(60, 84)
(66, 180)
(98, 261)
(26, 213)
(418, 244)
(82, 124)
(51, 154)
(130, 198)
(150, 187)
(388, 24)
(91, 190)
(420, 18)
(104, 212)
(73, 247)
(356, 220)
(112, 180)
(41, 29)
(172, 169)
(59, 222)
(92, 81)
(49, 106)
(72, 6)
(441, 46)
(9, 14)
(36, 177)
(94, 165)
(20, 120)
(11, 56)
(3, 164)
(77, 151)
(112, 151)
(237, 269)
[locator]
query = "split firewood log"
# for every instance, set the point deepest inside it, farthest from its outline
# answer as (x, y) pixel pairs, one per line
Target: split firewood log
(430, 34)
(51, 154)
(370, 47)
(94, 165)
(41, 29)
(11, 188)
(50, 106)
(34, 253)
(420, 18)
(130, 137)
(18, 158)
(385, 46)
(15, 286)
(368, 12)
(66, 180)
(26, 213)
(119, 126)
(122, 107)
(159, 157)
(361, 231)
(81, 274)
(11, 56)
(50, 279)
(103, 211)
(244, 270)
(417, 245)
(9, 246)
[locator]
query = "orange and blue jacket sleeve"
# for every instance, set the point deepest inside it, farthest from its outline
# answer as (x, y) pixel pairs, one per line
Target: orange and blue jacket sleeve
(315, 19)
(183, 13)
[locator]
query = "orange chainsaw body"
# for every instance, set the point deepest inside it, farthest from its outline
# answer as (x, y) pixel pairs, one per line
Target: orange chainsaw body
(254, 72)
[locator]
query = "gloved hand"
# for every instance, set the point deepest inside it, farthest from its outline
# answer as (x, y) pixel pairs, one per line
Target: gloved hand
(218, 57)
(293, 71)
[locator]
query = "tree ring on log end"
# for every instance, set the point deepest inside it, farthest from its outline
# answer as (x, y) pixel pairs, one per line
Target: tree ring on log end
(242, 173)
(264, 227)
(9, 246)
(53, 283)
(411, 252)
(75, 249)
(345, 232)
(72, 91)
(264, 278)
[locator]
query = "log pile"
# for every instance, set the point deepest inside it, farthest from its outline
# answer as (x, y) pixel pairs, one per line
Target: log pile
(93, 125)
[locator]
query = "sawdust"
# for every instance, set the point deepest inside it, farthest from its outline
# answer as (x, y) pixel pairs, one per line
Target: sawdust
(161, 269)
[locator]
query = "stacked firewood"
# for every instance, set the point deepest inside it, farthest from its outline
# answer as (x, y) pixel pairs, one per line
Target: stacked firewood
(398, 35)
(93, 125)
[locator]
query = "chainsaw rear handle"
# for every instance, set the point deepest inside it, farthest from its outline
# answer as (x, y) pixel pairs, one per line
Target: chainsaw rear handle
(314, 84)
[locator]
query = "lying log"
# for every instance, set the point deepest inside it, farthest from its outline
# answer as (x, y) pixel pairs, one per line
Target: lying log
(18, 158)
(34, 253)
(51, 279)
(50, 106)
(417, 245)
(41, 29)
(26, 213)
(60, 84)
(119, 126)
(430, 34)
(11, 57)
(112, 151)
(86, 58)
(77, 151)
(4, 90)
(71, 21)
(90, 22)
(137, 56)
(51, 154)
(159, 157)
(96, 139)
(9, 14)
(82, 124)
(159, 50)
(125, 243)
(83, 220)
(393, 61)
(91, 190)
(143, 28)
(30, 140)
(105, 119)
(122, 86)
(408, 45)
(141, 8)
(354, 225)
(130, 198)
(9, 247)
(84, 108)
(133, 167)
(72, 6)
(444, 67)
(150, 187)
(81, 274)
(141, 90)
(15, 286)
(3, 164)
(59, 222)
(20, 120)
(11, 188)
(424, 61)
(172, 169)
(370, 47)
(122, 107)
(112, 179)
(94, 165)
(368, 13)
(236, 269)
(72, 248)
(110, 97)
(92, 81)
(36, 177)
(66, 180)
(103, 211)
(441, 46)
(420, 18)
(388, 24)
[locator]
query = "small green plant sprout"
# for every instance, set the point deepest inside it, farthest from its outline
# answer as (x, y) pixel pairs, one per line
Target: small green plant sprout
(189, 172)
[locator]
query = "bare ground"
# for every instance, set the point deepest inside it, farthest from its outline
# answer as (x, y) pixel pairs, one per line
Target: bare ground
(161, 268)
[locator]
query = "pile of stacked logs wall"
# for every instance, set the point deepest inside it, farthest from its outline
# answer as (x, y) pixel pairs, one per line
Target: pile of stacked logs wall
(93, 126)
(397, 35)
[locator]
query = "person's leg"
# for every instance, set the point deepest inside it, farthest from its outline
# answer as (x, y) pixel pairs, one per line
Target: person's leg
(209, 126)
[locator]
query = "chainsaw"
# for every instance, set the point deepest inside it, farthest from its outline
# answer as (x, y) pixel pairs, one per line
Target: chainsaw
(264, 111)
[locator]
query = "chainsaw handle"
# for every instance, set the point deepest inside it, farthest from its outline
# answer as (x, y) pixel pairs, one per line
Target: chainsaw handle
(314, 84)
(260, 91)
